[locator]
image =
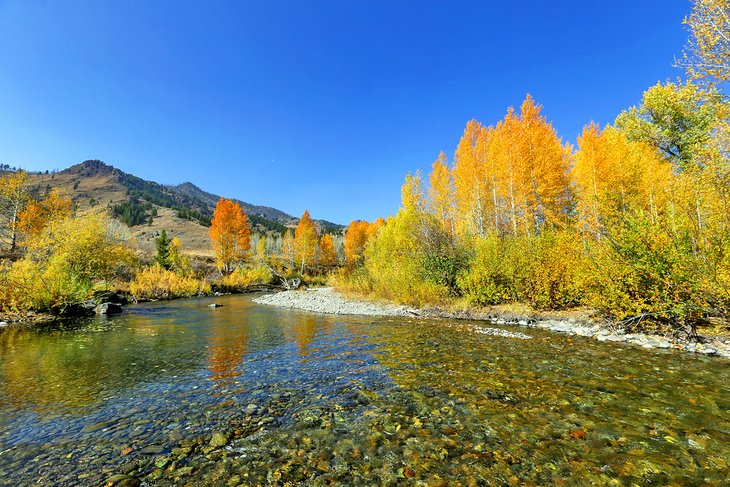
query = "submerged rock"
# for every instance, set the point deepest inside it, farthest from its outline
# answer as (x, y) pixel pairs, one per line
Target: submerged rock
(108, 309)
(121, 480)
(218, 440)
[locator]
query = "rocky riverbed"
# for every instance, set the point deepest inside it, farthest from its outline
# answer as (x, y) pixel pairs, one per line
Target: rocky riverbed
(328, 300)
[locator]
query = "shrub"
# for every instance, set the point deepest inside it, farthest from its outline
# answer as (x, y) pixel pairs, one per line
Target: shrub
(547, 271)
(645, 273)
(63, 264)
(157, 283)
(242, 278)
(395, 262)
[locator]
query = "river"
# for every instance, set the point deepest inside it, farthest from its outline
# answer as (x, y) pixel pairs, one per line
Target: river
(178, 392)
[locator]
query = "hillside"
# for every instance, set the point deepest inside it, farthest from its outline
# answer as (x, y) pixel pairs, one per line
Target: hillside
(147, 207)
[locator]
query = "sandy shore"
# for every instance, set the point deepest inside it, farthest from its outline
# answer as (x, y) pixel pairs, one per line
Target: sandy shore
(328, 300)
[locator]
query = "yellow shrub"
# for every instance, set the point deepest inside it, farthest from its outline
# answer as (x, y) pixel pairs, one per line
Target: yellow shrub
(395, 261)
(546, 271)
(242, 278)
(356, 281)
(158, 283)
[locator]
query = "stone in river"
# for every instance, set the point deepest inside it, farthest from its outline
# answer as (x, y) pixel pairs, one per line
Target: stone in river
(121, 480)
(108, 309)
(218, 440)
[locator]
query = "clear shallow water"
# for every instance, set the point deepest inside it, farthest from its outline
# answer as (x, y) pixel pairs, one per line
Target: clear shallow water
(318, 399)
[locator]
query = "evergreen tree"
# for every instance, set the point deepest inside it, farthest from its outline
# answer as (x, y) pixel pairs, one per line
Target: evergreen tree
(163, 250)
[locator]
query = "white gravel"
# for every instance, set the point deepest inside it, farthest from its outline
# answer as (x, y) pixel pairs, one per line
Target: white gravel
(327, 300)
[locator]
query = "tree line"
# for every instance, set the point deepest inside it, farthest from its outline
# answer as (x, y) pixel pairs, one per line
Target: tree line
(633, 220)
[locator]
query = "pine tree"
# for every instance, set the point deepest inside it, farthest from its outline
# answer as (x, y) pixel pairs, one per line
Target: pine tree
(162, 244)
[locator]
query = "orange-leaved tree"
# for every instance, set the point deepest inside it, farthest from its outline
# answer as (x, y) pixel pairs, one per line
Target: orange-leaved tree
(14, 195)
(37, 214)
(305, 241)
(441, 193)
(356, 237)
(231, 235)
(327, 255)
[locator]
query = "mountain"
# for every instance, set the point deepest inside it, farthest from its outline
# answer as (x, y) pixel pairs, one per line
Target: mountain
(184, 210)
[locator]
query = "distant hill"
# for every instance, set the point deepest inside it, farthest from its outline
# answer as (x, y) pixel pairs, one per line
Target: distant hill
(146, 206)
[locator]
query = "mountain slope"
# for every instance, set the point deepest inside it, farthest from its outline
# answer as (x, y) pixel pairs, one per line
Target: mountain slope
(184, 210)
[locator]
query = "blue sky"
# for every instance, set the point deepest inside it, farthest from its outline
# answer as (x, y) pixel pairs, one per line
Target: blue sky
(318, 105)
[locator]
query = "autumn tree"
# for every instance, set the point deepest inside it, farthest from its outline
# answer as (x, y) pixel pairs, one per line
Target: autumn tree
(678, 119)
(544, 172)
(14, 195)
(356, 236)
(614, 175)
(68, 259)
(305, 241)
(230, 234)
(441, 193)
(375, 226)
(178, 262)
(262, 253)
(327, 255)
(473, 179)
(288, 250)
(39, 213)
(706, 56)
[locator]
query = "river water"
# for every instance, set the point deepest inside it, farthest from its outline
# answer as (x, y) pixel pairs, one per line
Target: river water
(177, 392)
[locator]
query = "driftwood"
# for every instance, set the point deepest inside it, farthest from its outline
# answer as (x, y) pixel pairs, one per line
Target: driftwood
(287, 284)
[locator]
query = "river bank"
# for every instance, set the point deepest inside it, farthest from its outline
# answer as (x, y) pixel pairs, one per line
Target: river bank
(85, 309)
(328, 300)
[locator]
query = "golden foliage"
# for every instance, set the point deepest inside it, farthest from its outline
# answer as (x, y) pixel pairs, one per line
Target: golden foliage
(67, 259)
(244, 277)
(37, 214)
(707, 54)
(14, 195)
(231, 235)
(327, 255)
(305, 241)
(156, 282)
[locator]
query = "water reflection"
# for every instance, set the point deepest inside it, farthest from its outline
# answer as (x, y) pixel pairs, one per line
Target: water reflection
(228, 343)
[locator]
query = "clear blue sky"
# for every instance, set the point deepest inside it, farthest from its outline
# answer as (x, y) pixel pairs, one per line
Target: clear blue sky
(318, 105)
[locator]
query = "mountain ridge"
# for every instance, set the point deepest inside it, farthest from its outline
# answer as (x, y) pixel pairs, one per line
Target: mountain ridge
(146, 207)
(188, 195)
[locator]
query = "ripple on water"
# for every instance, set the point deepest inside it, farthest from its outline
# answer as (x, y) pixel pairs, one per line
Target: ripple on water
(178, 392)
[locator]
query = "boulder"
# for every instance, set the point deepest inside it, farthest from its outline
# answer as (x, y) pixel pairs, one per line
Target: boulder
(108, 309)
(80, 308)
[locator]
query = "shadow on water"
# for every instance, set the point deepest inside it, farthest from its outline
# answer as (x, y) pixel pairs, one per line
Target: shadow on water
(355, 400)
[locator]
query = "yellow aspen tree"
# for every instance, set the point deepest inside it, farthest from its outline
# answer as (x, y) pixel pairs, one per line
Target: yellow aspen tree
(441, 197)
(470, 179)
(503, 150)
(305, 241)
(37, 214)
(591, 174)
(287, 247)
(262, 253)
(356, 238)
(327, 255)
(545, 162)
(230, 234)
(14, 196)
(412, 193)
(706, 56)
